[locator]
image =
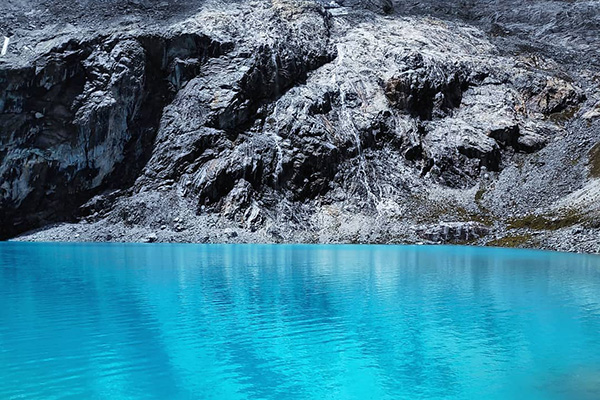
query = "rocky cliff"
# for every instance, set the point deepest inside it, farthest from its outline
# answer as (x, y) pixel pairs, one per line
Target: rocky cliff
(302, 121)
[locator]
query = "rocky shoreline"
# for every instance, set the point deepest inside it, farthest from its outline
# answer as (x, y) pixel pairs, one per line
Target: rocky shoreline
(291, 121)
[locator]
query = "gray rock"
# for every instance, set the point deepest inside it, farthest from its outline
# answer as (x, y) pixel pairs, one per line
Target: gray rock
(453, 232)
(230, 233)
(293, 123)
(593, 113)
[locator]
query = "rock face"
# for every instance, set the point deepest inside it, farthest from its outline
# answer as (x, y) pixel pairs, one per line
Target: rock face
(454, 232)
(83, 118)
(291, 120)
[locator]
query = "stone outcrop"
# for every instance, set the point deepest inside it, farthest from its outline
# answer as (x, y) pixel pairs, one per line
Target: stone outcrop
(453, 232)
(83, 118)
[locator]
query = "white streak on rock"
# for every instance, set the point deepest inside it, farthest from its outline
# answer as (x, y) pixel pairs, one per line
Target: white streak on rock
(5, 46)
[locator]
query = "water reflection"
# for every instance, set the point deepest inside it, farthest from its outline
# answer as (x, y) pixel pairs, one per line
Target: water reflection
(186, 321)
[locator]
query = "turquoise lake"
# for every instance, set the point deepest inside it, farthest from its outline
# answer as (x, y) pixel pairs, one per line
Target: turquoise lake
(170, 321)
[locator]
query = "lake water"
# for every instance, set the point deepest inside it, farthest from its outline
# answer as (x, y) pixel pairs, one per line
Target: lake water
(156, 321)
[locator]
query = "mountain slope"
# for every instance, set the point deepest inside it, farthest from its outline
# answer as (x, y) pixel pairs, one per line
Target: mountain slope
(292, 121)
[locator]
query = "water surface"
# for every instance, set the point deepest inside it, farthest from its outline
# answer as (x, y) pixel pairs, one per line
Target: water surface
(128, 321)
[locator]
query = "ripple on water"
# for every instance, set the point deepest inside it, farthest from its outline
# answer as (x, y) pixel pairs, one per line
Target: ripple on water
(300, 322)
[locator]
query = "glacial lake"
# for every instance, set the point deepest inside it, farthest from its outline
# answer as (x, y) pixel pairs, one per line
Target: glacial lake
(170, 321)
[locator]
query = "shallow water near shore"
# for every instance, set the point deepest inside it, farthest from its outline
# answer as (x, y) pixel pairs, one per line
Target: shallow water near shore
(129, 321)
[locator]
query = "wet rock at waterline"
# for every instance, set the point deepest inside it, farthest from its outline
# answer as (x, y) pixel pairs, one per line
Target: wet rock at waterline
(299, 121)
